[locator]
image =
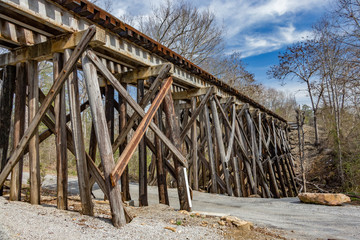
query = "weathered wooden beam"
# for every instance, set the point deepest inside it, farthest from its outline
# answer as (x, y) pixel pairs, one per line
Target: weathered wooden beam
(172, 123)
(60, 138)
(221, 147)
(194, 148)
(106, 73)
(277, 164)
(19, 128)
(92, 143)
(144, 101)
(12, 35)
(188, 94)
(78, 141)
(93, 169)
(104, 144)
(210, 150)
(273, 181)
(109, 110)
(34, 155)
(143, 73)
(125, 187)
(6, 104)
(139, 133)
(54, 90)
(142, 153)
(231, 137)
(160, 168)
(237, 185)
(196, 113)
(45, 50)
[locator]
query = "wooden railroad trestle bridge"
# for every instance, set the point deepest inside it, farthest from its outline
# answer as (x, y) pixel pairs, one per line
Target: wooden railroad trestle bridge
(205, 134)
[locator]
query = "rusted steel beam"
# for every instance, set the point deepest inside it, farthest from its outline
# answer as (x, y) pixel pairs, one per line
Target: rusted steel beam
(139, 133)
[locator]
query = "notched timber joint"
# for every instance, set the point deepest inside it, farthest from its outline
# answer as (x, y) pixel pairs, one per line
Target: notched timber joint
(144, 73)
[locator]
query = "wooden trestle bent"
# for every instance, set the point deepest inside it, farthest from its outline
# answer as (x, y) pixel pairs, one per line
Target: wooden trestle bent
(235, 147)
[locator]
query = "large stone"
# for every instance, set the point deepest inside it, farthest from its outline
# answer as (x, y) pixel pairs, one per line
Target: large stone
(240, 224)
(329, 199)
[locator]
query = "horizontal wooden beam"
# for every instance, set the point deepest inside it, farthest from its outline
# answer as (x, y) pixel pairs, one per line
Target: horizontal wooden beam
(188, 94)
(45, 50)
(142, 73)
(16, 35)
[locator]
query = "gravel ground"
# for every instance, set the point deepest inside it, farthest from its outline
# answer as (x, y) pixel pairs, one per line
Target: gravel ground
(21, 220)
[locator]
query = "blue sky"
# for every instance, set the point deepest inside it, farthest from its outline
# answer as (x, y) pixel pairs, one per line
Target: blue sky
(259, 30)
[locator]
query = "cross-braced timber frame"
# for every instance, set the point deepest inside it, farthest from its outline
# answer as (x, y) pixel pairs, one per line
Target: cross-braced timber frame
(205, 134)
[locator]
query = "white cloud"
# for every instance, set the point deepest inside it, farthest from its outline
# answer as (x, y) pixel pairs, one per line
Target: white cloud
(245, 20)
(258, 43)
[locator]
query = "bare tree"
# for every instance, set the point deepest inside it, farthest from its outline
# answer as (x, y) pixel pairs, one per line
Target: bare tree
(185, 29)
(337, 71)
(231, 69)
(300, 61)
(107, 5)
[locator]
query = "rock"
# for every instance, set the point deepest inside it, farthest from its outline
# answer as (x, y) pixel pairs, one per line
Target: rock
(222, 223)
(184, 212)
(329, 199)
(240, 224)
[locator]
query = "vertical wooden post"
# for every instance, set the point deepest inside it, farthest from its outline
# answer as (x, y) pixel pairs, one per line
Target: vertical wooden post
(273, 179)
(125, 188)
(60, 140)
(102, 134)
(142, 156)
(92, 144)
(6, 104)
(54, 90)
(210, 150)
(160, 168)
(109, 110)
(194, 148)
(253, 148)
(220, 141)
(34, 161)
(19, 128)
(174, 129)
(242, 177)
(202, 136)
(237, 191)
(277, 164)
(78, 141)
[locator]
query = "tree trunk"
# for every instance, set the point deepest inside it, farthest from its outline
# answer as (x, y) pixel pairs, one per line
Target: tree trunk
(316, 130)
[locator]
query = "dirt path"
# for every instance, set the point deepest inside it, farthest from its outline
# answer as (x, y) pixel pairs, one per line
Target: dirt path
(297, 220)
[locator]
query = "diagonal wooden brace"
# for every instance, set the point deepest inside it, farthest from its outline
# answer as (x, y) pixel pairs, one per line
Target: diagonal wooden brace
(143, 103)
(122, 91)
(196, 113)
(139, 133)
